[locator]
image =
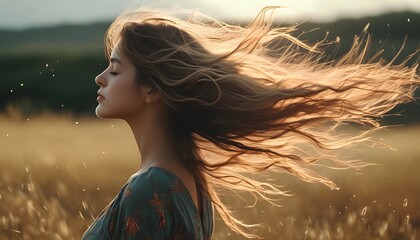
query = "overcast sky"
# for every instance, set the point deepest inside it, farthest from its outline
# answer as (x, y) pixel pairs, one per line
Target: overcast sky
(18, 14)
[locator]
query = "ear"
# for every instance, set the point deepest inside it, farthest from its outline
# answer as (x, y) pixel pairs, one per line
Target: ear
(152, 94)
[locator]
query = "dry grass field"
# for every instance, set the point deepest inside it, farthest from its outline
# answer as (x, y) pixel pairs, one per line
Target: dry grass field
(58, 172)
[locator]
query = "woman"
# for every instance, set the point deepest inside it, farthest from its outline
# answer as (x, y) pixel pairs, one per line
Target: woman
(199, 95)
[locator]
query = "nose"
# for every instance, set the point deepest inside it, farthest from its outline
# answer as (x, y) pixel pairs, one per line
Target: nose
(99, 80)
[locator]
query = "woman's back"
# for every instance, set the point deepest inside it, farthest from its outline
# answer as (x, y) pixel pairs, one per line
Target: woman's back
(154, 205)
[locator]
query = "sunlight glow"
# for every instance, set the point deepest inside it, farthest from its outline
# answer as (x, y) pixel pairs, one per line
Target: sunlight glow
(14, 14)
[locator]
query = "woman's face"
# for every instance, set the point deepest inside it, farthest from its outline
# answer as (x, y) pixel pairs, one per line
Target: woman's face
(121, 99)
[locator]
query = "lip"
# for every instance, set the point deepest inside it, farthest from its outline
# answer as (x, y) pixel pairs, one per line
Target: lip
(100, 97)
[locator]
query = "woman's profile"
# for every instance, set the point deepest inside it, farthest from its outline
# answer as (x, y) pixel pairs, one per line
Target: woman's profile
(211, 105)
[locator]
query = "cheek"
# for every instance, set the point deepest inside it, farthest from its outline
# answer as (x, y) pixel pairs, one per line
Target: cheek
(129, 101)
(127, 94)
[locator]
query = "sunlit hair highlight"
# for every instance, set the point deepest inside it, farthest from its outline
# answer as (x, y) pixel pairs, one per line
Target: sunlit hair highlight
(242, 100)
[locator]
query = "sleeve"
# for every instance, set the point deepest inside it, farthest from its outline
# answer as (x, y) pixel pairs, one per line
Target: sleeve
(145, 211)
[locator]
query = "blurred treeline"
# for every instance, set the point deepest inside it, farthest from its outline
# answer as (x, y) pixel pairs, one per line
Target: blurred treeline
(53, 68)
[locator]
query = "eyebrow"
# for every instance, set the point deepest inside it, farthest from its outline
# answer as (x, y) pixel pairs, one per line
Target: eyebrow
(116, 60)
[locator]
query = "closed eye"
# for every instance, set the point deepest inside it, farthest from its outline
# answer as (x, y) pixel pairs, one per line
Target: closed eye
(113, 73)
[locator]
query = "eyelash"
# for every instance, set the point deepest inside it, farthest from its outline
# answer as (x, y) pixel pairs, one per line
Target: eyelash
(113, 73)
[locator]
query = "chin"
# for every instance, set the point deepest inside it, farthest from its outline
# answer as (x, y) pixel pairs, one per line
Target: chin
(104, 113)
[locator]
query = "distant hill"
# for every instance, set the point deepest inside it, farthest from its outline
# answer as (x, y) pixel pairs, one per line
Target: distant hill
(59, 38)
(391, 26)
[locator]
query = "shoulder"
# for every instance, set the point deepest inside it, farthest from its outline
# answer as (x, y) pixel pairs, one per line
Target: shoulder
(156, 204)
(146, 207)
(143, 188)
(154, 190)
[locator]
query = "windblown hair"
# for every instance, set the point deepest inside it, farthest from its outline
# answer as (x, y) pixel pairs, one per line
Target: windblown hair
(242, 100)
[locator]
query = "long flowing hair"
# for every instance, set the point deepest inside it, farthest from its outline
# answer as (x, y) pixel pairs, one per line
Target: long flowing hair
(246, 99)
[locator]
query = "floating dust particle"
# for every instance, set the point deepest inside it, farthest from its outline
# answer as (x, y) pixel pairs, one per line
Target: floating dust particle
(364, 210)
(405, 203)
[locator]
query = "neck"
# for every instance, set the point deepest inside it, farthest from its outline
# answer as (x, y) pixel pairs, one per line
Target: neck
(152, 142)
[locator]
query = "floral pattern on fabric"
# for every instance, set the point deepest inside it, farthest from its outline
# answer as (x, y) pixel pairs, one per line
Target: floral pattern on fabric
(132, 226)
(153, 205)
(156, 202)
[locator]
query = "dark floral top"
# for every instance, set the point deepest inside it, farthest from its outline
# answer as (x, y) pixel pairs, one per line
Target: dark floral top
(153, 205)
